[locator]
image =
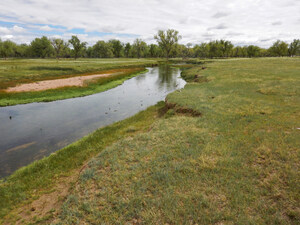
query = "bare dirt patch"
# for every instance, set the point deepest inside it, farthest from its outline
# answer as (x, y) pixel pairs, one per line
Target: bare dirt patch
(182, 110)
(46, 204)
(78, 81)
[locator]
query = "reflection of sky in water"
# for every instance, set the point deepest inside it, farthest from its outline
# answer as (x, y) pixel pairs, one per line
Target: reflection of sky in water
(37, 129)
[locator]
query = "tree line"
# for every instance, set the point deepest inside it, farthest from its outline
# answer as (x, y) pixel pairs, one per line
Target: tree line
(167, 46)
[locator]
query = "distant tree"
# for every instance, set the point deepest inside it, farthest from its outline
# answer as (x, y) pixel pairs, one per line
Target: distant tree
(201, 50)
(294, 47)
(103, 50)
(22, 50)
(41, 47)
(226, 47)
(89, 52)
(263, 52)
(215, 49)
(253, 51)
(59, 46)
(139, 48)
(178, 50)
(1, 47)
(183, 51)
(117, 47)
(78, 46)
(127, 50)
(236, 51)
(220, 48)
(279, 48)
(166, 40)
(189, 51)
(239, 52)
(244, 51)
(154, 51)
(7, 49)
(189, 45)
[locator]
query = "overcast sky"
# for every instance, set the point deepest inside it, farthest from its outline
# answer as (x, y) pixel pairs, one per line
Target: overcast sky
(244, 22)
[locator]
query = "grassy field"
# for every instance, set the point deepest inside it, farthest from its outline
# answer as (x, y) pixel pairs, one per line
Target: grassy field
(19, 71)
(226, 152)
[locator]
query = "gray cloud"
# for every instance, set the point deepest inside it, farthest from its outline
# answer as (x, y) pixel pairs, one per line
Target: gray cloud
(208, 35)
(277, 23)
(265, 40)
(221, 26)
(220, 14)
(232, 33)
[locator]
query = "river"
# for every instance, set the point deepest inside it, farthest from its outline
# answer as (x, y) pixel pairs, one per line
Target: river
(32, 131)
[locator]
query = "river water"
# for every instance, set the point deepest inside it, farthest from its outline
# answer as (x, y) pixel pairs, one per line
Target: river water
(32, 131)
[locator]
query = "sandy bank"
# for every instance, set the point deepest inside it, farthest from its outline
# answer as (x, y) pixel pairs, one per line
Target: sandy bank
(52, 84)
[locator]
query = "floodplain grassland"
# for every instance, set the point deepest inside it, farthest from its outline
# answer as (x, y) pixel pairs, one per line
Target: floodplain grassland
(19, 71)
(235, 162)
(226, 151)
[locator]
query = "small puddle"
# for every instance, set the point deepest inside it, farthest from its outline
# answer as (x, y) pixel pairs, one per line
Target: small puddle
(32, 131)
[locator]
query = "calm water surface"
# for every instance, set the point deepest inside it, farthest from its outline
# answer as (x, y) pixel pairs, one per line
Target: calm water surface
(36, 130)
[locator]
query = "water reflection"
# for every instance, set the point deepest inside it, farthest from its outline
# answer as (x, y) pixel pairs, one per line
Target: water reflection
(167, 79)
(36, 130)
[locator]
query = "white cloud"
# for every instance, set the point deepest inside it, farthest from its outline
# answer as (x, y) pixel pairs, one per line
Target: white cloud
(8, 36)
(46, 28)
(18, 29)
(248, 21)
(11, 33)
(4, 30)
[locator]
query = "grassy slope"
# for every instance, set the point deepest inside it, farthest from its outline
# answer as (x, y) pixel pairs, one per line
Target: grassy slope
(13, 72)
(237, 164)
(30, 182)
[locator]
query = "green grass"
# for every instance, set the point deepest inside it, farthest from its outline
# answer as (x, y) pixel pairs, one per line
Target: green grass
(236, 164)
(234, 161)
(39, 177)
(19, 71)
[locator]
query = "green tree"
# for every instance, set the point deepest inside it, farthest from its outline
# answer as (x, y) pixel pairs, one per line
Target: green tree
(220, 48)
(139, 48)
(215, 49)
(201, 50)
(226, 47)
(103, 50)
(22, 50)
(41, 47)
(127, 50)
(166, 40)
(154, 51)
(7, 49)
(183, 51)
(78, 46)
(253, 51)
(189, 51)
(89, 52)
(279, 48)
(117, 47)
(178, 50)
(59, 46)
(239, 52)
(294, 47)
(263, 52)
